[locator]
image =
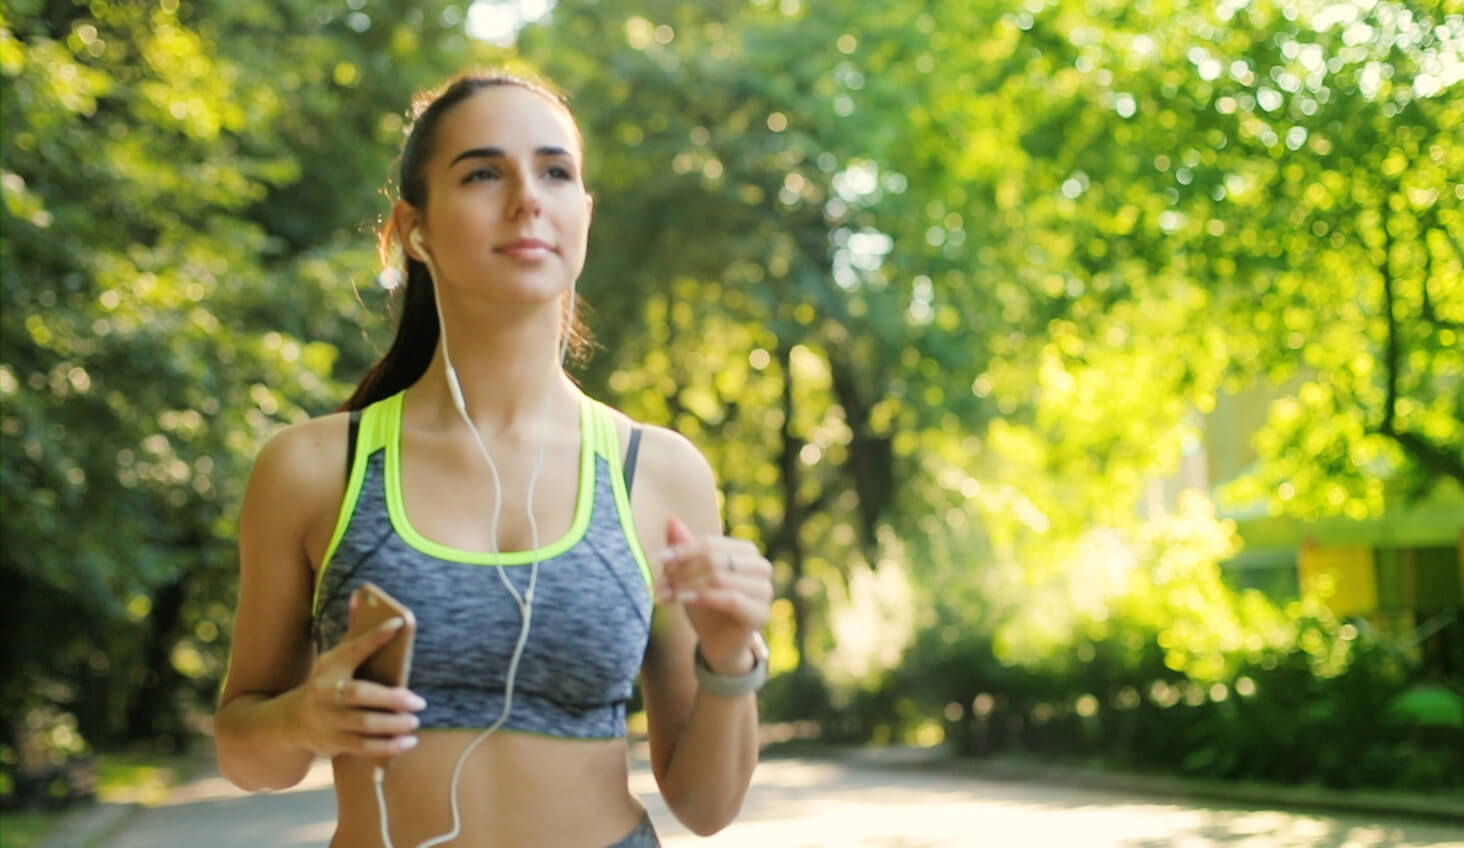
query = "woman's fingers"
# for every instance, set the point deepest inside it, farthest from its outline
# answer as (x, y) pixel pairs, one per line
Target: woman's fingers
(367, 746)
(755, 589)
(339, 688)
(736, 605)
(379, 723)
(374, 746)
(370, 720)
(723, 566)
(349, 716)
(707, 546)
(364, 694)
(357, 650)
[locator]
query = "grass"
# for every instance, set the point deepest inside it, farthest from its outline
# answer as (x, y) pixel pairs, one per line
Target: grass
(26, 830)
(139, 777)
(122, 778)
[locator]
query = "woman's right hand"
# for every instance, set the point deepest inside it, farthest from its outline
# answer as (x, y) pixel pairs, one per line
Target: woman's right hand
(338, 714)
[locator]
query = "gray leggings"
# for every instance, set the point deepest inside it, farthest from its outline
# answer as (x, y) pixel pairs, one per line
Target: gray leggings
(644, 836)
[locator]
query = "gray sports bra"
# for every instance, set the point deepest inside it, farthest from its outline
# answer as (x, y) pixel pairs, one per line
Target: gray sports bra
(592, 605)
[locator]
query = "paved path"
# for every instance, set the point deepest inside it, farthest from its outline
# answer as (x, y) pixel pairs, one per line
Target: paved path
(804, 803)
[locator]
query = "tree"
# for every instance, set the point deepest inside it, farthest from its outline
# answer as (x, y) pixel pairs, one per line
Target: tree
(1279, 182)
(735, 258)
(183, 239)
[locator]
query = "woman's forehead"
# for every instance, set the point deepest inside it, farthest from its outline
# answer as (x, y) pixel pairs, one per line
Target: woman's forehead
(514, 119)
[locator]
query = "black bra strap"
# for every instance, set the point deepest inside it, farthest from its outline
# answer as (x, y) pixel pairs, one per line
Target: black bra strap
(353, 430)
(630, 453)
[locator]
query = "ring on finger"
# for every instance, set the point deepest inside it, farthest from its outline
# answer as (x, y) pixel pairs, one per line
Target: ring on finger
(340, 689)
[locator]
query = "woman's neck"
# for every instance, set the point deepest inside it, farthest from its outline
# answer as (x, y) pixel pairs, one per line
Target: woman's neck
(510, 372)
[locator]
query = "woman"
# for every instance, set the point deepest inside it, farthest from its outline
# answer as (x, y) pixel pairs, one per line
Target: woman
(528, 528)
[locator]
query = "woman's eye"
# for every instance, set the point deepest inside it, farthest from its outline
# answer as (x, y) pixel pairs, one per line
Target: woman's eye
(480, 174)
(559, 173)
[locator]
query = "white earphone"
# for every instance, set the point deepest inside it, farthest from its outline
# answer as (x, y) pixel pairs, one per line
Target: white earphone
(454, 385)
(525, 602)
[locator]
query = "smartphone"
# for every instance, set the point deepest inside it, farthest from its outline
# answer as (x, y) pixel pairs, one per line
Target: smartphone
(391, 665)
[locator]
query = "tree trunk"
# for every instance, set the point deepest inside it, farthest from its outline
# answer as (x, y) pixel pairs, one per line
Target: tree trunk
(153, 712)
(788, 541)
(871, 456)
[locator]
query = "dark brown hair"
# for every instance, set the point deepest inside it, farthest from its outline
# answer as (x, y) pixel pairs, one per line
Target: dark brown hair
(417, 332)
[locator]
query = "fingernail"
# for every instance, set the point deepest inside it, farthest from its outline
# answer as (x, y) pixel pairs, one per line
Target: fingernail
(395, 623)
(686, 596)
(416, 703)
(666, 554)
(409, 743)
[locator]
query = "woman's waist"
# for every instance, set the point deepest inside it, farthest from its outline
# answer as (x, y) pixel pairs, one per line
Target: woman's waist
(523, 789)
(554, 709)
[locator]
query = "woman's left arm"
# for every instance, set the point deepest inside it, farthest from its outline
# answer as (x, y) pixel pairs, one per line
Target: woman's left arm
(715, 595)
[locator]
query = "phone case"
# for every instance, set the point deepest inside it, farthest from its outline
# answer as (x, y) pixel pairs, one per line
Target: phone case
(391, 665)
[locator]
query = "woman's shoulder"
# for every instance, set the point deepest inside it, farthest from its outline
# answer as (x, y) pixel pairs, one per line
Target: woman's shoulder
(306, 458)
(295, 488)
(667, 458)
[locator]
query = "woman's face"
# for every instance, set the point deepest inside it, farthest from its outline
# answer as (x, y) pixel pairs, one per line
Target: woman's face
(507, 213)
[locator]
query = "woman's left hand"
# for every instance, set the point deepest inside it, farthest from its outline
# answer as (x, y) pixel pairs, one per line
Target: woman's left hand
(726, 586)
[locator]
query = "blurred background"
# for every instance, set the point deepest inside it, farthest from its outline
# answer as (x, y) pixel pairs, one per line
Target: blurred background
(1090, 369)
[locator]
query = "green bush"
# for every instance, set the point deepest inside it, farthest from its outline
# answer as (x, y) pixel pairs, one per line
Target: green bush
(1370, 721)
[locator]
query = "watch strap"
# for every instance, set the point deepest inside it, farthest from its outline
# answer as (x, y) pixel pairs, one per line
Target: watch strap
(730, 685)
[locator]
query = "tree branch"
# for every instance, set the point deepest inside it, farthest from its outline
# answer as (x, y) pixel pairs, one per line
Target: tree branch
(1429, 314)
(1390, 344)
(1449, 237)
(1436, 457)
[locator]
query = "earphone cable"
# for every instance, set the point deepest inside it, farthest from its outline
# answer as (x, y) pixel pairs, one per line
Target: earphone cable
(524, 601)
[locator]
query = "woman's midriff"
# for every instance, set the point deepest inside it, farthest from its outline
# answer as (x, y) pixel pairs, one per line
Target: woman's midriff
(515, 790)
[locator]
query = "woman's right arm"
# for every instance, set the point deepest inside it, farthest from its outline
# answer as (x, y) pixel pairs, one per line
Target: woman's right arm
(282, 706)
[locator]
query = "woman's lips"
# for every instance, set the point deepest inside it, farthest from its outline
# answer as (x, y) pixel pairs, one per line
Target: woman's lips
(526, 249)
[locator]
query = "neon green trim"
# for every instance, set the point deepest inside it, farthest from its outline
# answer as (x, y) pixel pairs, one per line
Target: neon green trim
(397, 509)
(610, 448)
(368, 439)
(538, 734)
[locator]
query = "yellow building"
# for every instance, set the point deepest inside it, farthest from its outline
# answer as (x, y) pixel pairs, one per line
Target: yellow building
(1402, 572)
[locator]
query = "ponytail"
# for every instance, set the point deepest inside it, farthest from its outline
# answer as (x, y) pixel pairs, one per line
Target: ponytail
(411, 351)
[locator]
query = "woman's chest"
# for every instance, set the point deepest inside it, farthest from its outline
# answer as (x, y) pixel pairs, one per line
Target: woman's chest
(521, 502)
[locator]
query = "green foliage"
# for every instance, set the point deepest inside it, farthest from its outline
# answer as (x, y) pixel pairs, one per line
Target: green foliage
(182, 230)
(940, 286)
(1429, 706)
(1133, 652)
(25, 830)
(1324, 706)
(1187, 203)
(737, 259)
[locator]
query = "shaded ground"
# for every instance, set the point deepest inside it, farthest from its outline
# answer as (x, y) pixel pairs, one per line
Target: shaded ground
(808, 802)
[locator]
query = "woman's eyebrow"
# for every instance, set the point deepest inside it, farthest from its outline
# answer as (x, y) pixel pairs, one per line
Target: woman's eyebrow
(497, 153)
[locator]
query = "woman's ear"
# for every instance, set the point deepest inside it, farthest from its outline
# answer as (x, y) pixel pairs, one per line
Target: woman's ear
(405, 220)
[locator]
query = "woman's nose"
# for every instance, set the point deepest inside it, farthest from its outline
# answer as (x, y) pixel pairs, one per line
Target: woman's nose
(525, 198)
